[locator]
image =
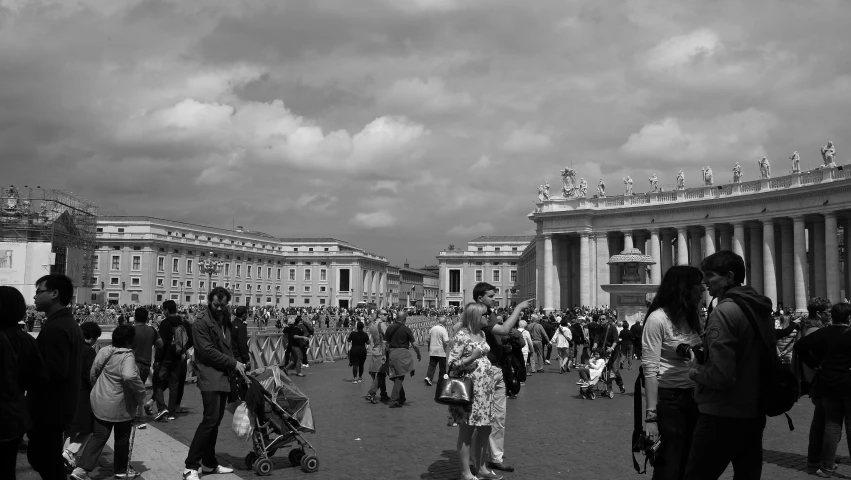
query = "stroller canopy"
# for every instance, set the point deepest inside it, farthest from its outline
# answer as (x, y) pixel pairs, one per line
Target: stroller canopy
(288, 396)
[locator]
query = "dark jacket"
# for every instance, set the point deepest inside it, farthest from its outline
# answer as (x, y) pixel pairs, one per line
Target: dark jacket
(728, 381)
(576, 331)
(21, 369)
(214, 358)
(239, 341)
(83, 417)
(166, 331)
(830, 348)
(61, 344)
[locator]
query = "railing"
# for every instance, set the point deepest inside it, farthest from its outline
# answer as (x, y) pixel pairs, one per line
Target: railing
(666, 197)
(812, 177)
(780, 182)
(695, 193)
(750, 187)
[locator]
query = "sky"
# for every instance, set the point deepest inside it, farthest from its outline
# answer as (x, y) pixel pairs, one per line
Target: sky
(404, 126)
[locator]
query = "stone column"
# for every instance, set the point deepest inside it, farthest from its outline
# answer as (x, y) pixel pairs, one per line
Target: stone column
(539, 271)
(656, 268)
(682, 247)
(548, 272)
(602, 268)
(575, 252)
(558, 257)
(627, 240)
(726, 238)
(567, 280)
(584, 270)
(800, 264)
(709, 241)
(739, 239)
(756, 279)
(847, 244)
(592, 260)
(787, 258)
(769, 277)
(819, 258)
(667, 252)
(831, 252)
(641, 245)
(695, 252)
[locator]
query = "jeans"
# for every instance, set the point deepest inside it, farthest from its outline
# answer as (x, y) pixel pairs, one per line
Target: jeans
(8, 457)
(45, 451)
(100, 434)
(181, 381)
(718, 441)
(549, 351)
(626, 353)
(439, 362)
(496, 440)
(816, 439)
(296, 358)
(613, 369)
(538, 357)
(202, 450)
(398, 393)
(167, 376)
(677, 416)
(836, 410)
(379, 382)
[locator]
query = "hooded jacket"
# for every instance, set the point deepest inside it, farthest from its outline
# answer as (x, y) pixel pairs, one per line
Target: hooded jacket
(117, 389)
(728, 380)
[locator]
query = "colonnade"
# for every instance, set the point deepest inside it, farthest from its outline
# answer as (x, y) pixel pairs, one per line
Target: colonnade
(788, 259)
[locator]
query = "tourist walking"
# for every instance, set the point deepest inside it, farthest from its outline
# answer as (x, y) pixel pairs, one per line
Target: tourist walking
(538, 334)
(61, 345)
(145, 339)
(400, 339)
(175, 334)
(626, 345)
(81, 430)
(21, 370)
(240, 336)
(116, 394)
(438, 344)
(357, 343)
(215, 365)
(561, 338)
(671, 412)
(296, 343)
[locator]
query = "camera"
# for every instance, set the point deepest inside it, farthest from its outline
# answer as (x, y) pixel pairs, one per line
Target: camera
(647, 446)
(683, 350)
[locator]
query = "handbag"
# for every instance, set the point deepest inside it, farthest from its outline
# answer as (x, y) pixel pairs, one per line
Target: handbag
(456, 391)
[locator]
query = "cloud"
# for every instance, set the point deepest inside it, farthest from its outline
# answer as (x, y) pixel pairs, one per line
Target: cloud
(681, 50)
(483, 162)
(373, 220)
(525, 139)
(429, 95)
(389, 185)
(482, 228)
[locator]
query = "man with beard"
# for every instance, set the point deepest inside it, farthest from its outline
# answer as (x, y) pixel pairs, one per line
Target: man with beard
(215, 364)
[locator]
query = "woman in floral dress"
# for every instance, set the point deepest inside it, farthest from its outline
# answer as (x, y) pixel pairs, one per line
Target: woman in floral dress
(469, 357)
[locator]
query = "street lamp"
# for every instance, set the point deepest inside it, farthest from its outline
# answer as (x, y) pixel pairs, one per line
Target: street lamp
(211, 268)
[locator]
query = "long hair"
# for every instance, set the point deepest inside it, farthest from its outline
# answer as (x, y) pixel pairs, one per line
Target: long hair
(675, 297)
(472, 315)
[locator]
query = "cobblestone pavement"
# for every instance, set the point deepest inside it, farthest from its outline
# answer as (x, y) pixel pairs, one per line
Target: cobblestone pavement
(551, 433)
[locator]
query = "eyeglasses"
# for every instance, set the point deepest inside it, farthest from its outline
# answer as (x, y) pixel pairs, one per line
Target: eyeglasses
(39, 292)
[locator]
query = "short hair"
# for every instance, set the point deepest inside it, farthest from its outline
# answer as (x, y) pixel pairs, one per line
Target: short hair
(241, 311)
(481, 289)
(13, 307)
(60, 283)
(401, 316)
(170, 307)
(840, 313)
(725, 261)
(141, 315)
(360, 326)
(522, 323)
(472, 311)
(91, 330)
(122, 336)
(218, 292)
(817, 305)
(563, 322)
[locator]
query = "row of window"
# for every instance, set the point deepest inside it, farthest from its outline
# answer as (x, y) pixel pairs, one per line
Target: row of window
(496, 249)
(221, 240)
(136, 265)
(137, 282)
(495, 275)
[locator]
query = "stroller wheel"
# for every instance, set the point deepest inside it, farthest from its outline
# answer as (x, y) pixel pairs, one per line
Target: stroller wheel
(250, 459)
(310, 464)
(296, 455)
(611, 394)
(592, 395)
(263, 466)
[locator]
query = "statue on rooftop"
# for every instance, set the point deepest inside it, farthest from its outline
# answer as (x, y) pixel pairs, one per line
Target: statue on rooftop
(737, 173)
(12, 203)
(654, 183)
(546, 191)
(540, 193)
(707, 176)
(583, 188)
(828, 154)
(568, 181)
(764, 168)
(601, 189)
(796, 162)
(628, 182)
(681, 181)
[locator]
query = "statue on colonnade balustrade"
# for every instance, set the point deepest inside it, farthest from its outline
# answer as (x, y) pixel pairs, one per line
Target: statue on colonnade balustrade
(628, 182)
(681, 181)
(796, 162)
(707, 176)
(601, 189)
(654, 183)
(828, 155)
(764, 168)
(569, 187)
(737, 173)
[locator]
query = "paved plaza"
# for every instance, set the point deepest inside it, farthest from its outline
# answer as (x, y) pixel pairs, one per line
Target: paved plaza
(551, 433)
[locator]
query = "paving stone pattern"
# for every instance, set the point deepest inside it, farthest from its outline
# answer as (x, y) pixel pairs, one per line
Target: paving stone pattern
(551, 433)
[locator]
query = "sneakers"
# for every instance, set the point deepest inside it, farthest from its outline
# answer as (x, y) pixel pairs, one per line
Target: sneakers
(395, 405)
(299, 374)
(161, 414)
(623, 390)
(142, 426)
(190, 474)
(304, 365)
(80, 474)
(824, 473)
(215, 471)
(500, 466)
(149, 409)
(360, 380)
(354, 380)
(130, 473)
(170, 418)
(547, 362)
(427, 381)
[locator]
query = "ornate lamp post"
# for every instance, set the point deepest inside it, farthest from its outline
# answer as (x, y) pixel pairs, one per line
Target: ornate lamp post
(211, 268)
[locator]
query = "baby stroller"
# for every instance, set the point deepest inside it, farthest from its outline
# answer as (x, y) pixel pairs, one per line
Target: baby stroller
(588, 390)
(281, 414)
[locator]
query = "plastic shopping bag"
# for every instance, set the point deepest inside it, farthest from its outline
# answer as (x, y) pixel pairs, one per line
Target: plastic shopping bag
(243, 422)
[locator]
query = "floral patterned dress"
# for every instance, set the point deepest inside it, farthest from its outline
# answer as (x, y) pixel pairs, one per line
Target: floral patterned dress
(480, 413)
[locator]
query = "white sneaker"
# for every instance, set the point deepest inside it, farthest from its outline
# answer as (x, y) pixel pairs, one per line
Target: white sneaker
(304, 365)
(215, 471)
(547, 362)
(190, 474)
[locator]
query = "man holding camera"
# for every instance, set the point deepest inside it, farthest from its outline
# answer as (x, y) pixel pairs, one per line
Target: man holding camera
(730, 424)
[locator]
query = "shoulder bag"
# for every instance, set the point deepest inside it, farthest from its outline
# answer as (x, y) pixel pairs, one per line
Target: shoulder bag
(454, 391)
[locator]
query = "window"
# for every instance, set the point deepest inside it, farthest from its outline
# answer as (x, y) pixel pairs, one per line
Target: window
(307, 289)
(175, 265)
(159, 297)
(497, 249)
(479, 249)
(513, 276)
(268, 288)
(116, 247)
(175, 297)
(135, 281)
(227, 269)
(189, 266)
(214, 284)
(323, 275)
(189, 284)
(94, 281)
(326, 249)
(513, 249)
(322, 300)
(248, 286)
(496, 275)
(188, 299)
(137, 249)
(291, 289)
(454, 281)
(292, 274)
(268, 273)
(160, 264)
(279, 274)
(137, 262)
(478, 276)
(120, 230)
(292, 300)
(160, 282)
(307, 301)
(237, 287)
(295, 249)
(201, 284)
(248, 272)
(227, 285)
(236, 299)
(116, 261)
(238, 270)
(113, 280)
(174, 284)
(268, 299)
(95, 262)
(259, 288)
(99, 230)
(310, 249)
(322, 288)
(307, 275)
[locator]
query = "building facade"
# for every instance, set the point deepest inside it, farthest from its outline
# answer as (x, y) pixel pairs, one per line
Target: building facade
(492, 259)
(788, 229)
(392, 285)
(146, 260)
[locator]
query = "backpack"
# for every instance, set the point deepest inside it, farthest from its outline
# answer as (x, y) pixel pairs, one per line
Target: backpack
(179, 340)
(778, 387)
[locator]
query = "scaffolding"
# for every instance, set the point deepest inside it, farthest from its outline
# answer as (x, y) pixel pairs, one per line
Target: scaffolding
(62, 219)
